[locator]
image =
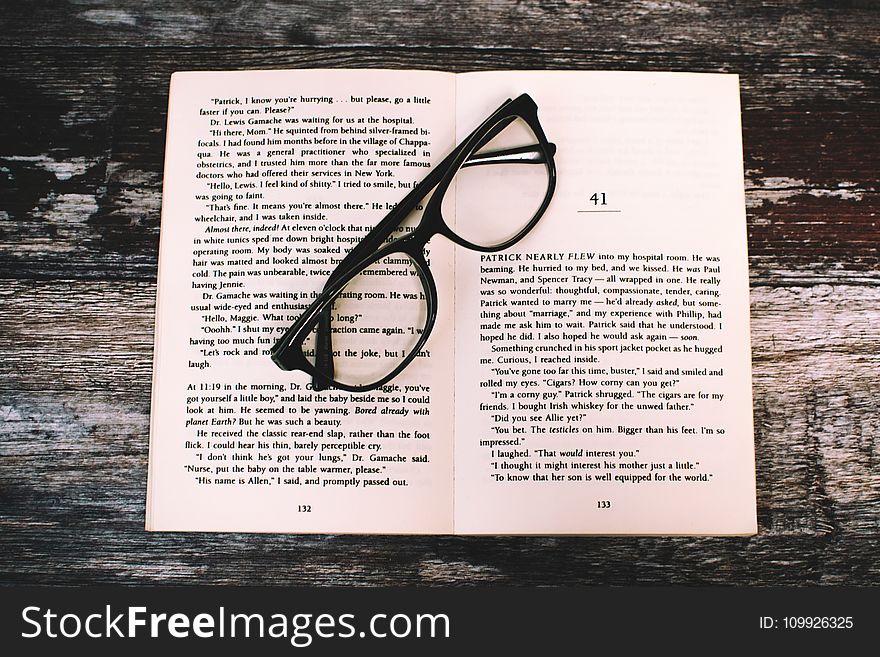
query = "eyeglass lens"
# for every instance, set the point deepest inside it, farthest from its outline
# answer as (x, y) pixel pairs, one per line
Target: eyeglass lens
(489, 204)
(376, 321)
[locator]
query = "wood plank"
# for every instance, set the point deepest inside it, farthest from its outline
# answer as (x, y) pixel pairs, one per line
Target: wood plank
(615, 26)
(82, 155)
(74, 404)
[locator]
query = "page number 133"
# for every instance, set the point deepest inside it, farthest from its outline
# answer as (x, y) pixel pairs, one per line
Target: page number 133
(603, 504)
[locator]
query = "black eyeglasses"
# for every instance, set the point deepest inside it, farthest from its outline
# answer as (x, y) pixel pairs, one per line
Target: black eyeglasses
(379, 305)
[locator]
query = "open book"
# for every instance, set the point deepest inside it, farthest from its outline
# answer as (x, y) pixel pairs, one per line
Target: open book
(594, 378)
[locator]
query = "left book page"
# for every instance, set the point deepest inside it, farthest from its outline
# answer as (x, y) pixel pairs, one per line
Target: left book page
(270, 178)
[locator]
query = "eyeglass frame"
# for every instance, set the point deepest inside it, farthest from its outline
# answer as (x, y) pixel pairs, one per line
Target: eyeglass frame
(288, 353)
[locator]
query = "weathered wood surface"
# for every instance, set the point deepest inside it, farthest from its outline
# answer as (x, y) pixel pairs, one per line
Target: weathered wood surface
(83, 92)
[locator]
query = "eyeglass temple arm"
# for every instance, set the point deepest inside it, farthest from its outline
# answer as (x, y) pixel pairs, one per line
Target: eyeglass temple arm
(533, 154)
(369, 244)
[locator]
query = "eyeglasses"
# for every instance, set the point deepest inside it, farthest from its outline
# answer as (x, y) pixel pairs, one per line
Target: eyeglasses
(379, 305)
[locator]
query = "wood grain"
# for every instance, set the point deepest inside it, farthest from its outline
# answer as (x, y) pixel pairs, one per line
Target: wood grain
(83, 157)
(623, 27)
(83, 95)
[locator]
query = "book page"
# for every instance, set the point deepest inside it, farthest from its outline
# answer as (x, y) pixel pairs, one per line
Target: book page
(271, 177)
(603, 379)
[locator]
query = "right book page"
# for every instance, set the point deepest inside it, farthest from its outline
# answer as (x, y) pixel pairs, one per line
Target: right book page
(603, 366)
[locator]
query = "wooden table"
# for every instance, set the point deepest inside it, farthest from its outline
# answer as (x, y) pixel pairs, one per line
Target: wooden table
(83, 95)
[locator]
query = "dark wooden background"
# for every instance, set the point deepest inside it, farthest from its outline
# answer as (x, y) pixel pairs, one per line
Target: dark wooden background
(83, 94)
